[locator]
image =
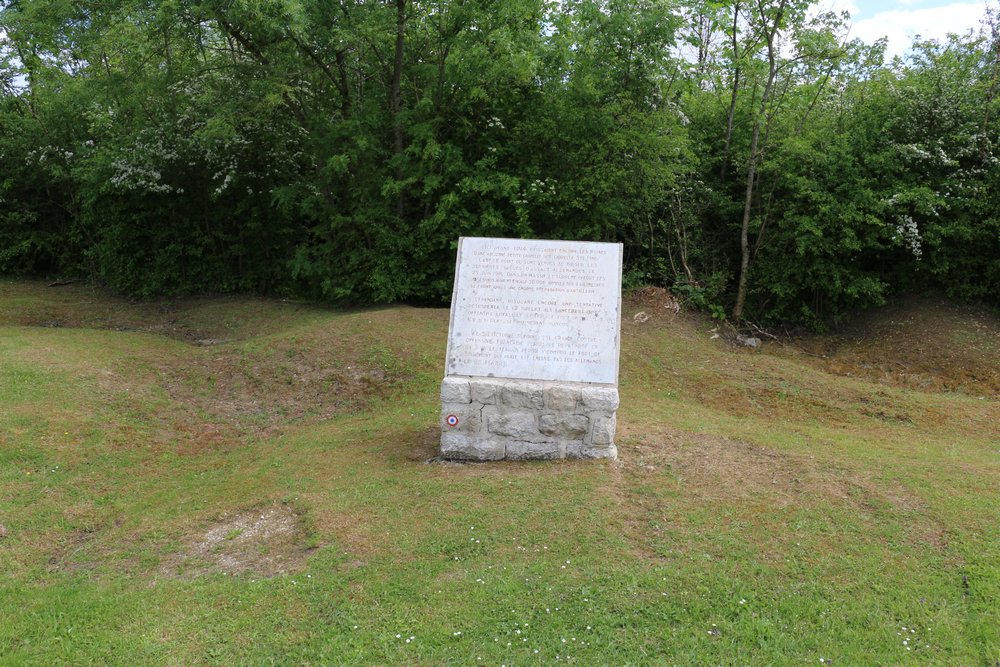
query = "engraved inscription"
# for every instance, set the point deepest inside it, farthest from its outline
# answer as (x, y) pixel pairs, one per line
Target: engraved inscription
(536, 310)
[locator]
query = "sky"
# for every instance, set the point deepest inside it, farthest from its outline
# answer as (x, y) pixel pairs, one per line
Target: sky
(902, 20)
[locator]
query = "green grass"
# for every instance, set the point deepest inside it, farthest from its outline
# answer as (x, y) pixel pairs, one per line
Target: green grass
(763, 511)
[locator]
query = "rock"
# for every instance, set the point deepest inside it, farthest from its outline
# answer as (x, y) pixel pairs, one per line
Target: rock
(455, 390)
(640, 317)
(604, 431)
(567, 427)
(484, 391)
(463, 447)
(461, 417)
(748, 341)
(522, 395)
(579, 450)
(515, 425)
(561, 398)
(600, 398)
(518, 450)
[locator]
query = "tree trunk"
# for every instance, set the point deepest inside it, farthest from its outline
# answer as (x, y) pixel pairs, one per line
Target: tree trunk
(344, 86)
(995, 80)
(396, 101)
(741, 291)
(732, 99)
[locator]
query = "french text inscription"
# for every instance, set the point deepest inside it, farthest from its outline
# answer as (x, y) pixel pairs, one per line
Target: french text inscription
(540, 310)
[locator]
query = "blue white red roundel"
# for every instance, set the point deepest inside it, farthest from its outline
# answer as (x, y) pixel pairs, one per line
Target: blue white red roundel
(452, 420)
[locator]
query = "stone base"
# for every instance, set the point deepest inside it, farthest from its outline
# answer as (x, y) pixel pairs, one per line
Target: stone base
(488, 419)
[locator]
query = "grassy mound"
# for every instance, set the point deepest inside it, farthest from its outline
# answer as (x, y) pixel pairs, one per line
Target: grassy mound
(225, 480)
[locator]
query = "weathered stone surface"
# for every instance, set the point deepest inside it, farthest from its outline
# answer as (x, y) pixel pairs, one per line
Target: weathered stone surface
(519, 450)
(543, 420)
(547, 420)
(472, 448)
(561, 398)
(604, 431)
(600, 398)
(579, 450)
(536, 309)
(484, 391)
(512, 425)
(455, 390)
(469, 416)
(564, 426)
(522, 395)
(533, 342)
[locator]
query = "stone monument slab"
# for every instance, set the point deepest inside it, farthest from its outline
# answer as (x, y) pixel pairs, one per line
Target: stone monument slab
(536, 310)
(533, 343)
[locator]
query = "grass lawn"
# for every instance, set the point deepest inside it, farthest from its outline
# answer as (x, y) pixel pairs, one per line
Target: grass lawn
(241, 481)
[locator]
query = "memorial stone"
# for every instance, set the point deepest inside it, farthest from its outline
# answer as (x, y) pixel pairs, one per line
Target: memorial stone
(533, 343)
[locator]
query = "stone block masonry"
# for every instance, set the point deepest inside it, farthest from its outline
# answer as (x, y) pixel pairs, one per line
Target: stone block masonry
(489, 419)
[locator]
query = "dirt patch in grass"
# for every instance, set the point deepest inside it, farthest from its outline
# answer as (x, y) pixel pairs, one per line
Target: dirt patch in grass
(654, 308)
(687, 357)
(357, 532)
(719, 469)
(923, 344)
(253, 365)
(199, 320)
(65, 556)
(424, 446)
(263, 541)
(94, 542)
(653, 301)
(263, 391)
(735, 476)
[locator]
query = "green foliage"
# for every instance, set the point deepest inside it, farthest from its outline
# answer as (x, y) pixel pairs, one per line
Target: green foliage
(705, 297)
(298, 147)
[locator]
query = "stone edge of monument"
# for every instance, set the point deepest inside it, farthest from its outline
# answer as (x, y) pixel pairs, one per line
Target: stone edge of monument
(489, 419)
